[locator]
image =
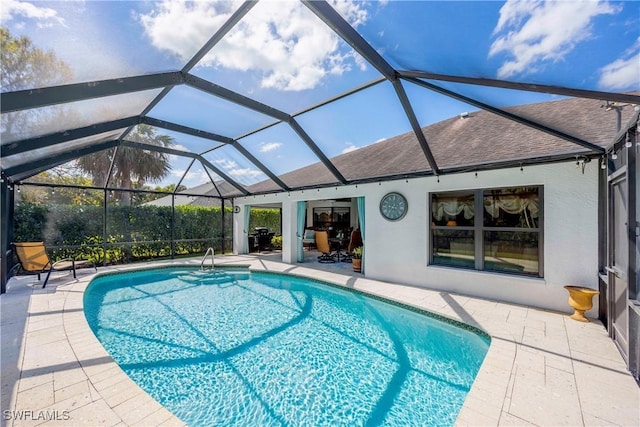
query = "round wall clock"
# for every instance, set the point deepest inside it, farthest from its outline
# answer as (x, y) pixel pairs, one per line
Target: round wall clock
(393, 206)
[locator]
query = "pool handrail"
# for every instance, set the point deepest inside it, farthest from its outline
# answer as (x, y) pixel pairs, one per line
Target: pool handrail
(204, 258)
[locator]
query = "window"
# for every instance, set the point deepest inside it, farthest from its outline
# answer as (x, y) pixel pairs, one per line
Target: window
(491, 229)
(333, 219)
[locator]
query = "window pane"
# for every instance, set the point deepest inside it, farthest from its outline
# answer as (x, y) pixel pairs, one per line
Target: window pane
(341, 214)
(341, 220)
(322, 218)
(454, 247)
(512, 207)
(452, 209)
(511, 251)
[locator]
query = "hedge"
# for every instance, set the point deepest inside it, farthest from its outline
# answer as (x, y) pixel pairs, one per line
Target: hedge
(262, 217)
(134, 233)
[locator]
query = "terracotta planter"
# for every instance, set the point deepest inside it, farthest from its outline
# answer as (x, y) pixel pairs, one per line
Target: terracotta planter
(357, 263)
(581, 300)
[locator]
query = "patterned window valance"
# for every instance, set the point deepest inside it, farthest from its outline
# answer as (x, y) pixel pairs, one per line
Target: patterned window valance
(512, 204)
(526, 204)
(453, 207)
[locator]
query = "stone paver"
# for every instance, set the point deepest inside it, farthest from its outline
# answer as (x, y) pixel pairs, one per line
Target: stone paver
(542, 368)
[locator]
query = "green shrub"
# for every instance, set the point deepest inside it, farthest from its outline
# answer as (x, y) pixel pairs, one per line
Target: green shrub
(276, 242)
(269, 218)
(133, 233)
(357, 252)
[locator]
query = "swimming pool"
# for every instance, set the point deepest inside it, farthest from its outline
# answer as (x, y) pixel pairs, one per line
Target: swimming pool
(233, 347)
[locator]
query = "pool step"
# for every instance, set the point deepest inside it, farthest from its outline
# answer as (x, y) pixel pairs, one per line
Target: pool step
(212, 277)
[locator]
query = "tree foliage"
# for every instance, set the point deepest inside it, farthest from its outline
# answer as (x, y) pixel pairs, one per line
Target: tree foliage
(72, 190)
(132, 167)
(24, 66)
(62, 194)
(141, 198)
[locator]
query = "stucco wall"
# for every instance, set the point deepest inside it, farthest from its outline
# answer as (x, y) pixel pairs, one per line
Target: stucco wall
(397, 251)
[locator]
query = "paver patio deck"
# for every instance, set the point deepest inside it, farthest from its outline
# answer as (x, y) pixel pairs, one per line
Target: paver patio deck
(542, 368)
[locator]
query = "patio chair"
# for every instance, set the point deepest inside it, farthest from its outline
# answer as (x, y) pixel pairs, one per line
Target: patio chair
(354, 241)
(34, 260)
(322, 243)
(309, 238)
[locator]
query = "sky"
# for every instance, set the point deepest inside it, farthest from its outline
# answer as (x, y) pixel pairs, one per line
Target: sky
(282, 55)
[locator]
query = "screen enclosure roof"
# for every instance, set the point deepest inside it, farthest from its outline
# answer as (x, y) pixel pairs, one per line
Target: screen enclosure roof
(270, 96)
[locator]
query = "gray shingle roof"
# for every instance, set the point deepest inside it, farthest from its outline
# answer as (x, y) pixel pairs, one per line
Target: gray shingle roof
(482, 138)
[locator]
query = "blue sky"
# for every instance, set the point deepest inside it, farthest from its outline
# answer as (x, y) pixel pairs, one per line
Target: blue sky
(282, 55)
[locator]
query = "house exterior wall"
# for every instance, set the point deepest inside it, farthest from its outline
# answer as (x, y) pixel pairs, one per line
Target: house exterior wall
(398, 251)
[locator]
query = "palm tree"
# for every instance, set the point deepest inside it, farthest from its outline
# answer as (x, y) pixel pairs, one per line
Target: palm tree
(131, 165)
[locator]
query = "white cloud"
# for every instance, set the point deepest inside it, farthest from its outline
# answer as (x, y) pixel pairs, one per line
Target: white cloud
(198, 176)
(13, 9)
(535, 32)
(350, 147)
(172, 157)
(269, 146)
(284, 42)
(231, 168)
(182, 28)
(246, 173)
(351, 11)
(78, 38)
(195, 176)
(624, 73)
(226, 163)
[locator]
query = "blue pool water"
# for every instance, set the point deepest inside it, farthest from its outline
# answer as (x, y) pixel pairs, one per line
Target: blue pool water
(234, 347)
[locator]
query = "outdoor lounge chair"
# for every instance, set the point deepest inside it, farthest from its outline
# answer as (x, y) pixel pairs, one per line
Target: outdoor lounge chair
(309, 238)
(34, 260)
(322, 243)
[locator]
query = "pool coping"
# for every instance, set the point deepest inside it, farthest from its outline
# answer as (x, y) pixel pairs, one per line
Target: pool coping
(538, 370)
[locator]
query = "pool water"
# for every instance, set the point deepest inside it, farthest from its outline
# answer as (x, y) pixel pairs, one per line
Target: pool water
(233, 347)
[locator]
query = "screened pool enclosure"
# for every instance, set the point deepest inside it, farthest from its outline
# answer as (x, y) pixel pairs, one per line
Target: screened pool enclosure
(129, 128)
